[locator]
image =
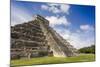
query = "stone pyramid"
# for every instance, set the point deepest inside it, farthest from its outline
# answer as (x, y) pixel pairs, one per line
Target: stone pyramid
(36, 39)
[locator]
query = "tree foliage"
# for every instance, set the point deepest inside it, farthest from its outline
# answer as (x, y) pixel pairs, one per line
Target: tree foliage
(90, 49)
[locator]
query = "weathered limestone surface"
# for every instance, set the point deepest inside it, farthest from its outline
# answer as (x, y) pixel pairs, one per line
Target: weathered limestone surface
(36, 38)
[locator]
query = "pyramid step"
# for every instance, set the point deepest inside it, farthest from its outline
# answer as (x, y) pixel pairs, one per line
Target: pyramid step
(28, 41)
(32, 29)
(35, 35)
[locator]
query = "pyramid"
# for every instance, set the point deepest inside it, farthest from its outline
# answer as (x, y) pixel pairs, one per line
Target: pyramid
(37, 39)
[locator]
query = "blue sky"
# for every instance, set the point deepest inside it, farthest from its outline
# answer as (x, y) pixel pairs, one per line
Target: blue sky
(75, 23)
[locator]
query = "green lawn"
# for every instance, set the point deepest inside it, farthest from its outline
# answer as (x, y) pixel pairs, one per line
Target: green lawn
(53, 60)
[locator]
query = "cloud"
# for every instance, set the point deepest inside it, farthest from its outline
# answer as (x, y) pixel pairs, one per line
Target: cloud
(86, 27)
(19, 15)
(56, 8)
(45, 7)
(56, 20)
(65, 8)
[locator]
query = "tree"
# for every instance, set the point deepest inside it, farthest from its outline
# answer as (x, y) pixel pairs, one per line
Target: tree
(90, 49)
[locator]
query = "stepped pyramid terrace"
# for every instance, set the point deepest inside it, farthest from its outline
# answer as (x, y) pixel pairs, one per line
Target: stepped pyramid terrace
(37, 39)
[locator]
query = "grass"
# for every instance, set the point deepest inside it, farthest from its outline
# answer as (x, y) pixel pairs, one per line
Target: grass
(53, 60)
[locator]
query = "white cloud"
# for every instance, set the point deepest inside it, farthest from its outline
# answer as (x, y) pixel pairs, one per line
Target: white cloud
(83, 39)
(65, 8)
(45, 7)
(56, 8)
(19, 15)
(86, 27)
(54, 20)
(78, 41)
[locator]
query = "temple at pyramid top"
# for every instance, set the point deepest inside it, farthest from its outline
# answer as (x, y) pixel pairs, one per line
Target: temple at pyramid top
(39, 17)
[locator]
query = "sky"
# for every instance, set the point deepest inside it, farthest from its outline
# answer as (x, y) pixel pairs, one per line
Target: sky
(75, 23)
